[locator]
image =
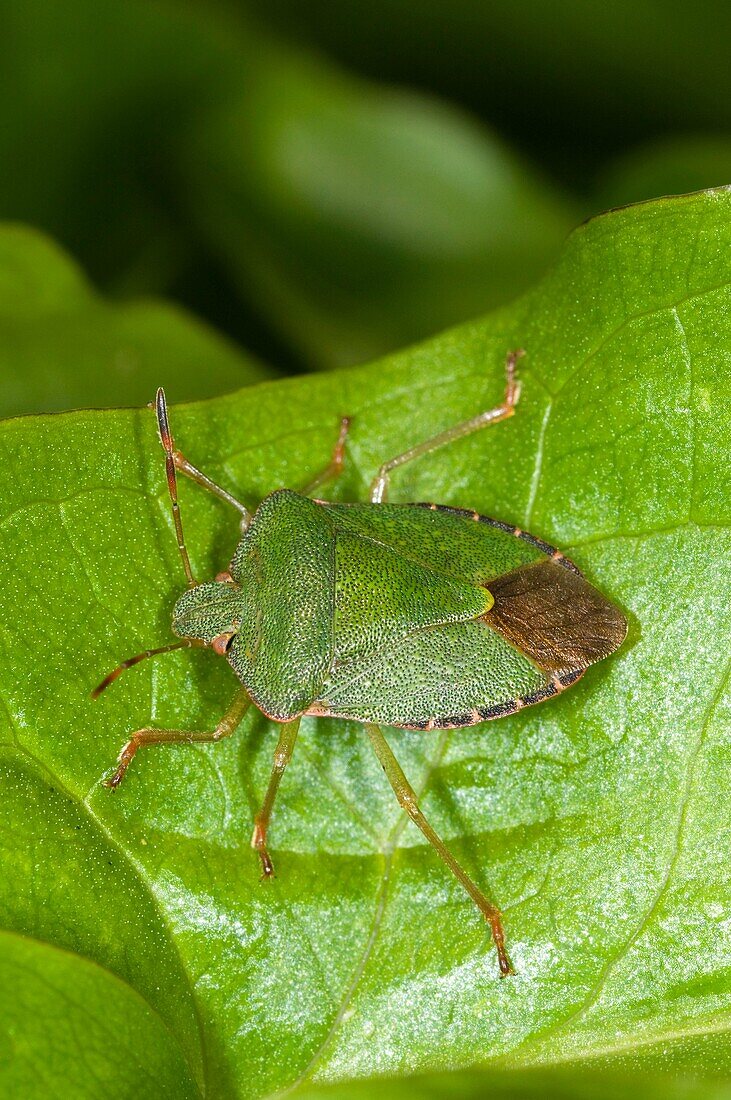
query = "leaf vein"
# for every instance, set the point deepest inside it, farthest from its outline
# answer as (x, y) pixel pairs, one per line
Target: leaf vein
(663, 886)
(389, 850)
(126, 854)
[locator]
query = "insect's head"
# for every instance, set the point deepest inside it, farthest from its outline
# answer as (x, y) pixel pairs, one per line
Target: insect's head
(209, 613)
(206, 614)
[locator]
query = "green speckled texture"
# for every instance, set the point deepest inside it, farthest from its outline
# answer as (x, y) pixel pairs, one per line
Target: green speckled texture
(368, 611)
(285, 565)
(382, 597)
(207, 610)
(441, 673)
(440, 541)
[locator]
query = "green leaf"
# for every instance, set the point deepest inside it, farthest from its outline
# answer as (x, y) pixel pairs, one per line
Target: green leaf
(62, 346)
(97, 1024)
(598, 821)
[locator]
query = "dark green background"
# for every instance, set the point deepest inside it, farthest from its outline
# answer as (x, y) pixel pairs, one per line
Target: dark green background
(325, 182)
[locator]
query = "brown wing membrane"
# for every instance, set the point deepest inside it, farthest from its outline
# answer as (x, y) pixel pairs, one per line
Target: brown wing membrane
(555, 617)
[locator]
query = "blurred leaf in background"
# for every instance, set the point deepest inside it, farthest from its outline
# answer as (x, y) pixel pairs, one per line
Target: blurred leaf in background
(206, 152)
(319, 219)
(571, 82)
(63, 346)
(91, 90)
(362, 218)
(599, 820)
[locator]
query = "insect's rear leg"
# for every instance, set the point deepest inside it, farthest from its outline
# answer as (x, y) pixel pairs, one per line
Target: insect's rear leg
(282, 757)
(379, 485)
(407, 799)
(142, 738)
(334, 467)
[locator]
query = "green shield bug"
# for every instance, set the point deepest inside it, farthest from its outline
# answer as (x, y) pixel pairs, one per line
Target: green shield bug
(418, 616)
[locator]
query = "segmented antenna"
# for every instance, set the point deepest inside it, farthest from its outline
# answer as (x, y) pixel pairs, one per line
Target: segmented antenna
(167, 442)
(112, 676)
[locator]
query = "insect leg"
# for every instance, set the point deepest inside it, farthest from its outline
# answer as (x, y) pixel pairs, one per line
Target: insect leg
(143, 738)
(407, 799)
(196, 475)
(379, 485)
(335, 466)
(282, 757)
(178, 461)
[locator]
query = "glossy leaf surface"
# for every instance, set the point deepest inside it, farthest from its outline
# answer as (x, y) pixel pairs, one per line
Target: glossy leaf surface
(598, 821)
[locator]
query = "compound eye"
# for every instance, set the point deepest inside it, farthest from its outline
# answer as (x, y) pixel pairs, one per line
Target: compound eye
(221, 643)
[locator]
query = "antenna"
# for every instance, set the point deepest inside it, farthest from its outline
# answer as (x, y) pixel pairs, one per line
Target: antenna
(188, 643)
(167, 442)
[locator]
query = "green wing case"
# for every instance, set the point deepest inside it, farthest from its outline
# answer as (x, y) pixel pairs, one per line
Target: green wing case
(409, 615)
(383, 597)
(285, 564)
(442, 676)
(444, 540)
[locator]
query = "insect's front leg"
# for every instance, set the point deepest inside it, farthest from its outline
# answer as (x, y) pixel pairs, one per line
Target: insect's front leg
(379, 485)
(282, 757)
(407, 799)
(142, 738)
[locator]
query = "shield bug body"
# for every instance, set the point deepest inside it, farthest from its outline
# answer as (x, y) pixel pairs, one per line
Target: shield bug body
(417, 616)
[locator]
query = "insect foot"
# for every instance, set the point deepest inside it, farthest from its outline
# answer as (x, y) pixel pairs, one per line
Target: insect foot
(282, 757)
(123, 762)
(407, 800)
(258, 843)
(494, 919)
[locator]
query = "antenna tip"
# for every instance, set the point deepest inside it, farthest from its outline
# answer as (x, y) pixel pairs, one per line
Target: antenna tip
(162, 419)
(104, 684)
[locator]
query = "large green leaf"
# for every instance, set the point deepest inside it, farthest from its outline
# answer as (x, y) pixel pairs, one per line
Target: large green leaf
(599, 820)
(69, 1024)
(62, 346)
